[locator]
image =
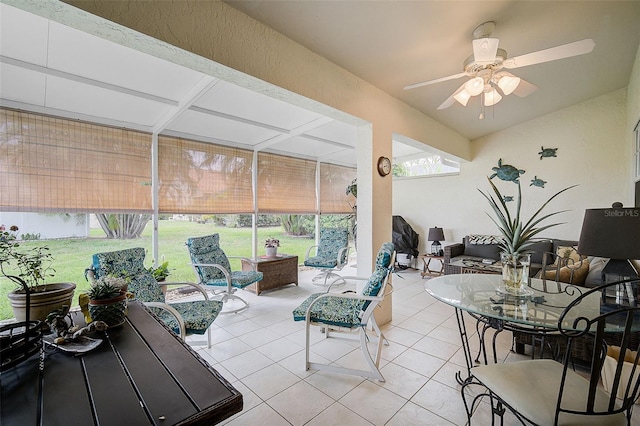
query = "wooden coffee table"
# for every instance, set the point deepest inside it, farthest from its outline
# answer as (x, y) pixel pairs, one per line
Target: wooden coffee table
(278, 271)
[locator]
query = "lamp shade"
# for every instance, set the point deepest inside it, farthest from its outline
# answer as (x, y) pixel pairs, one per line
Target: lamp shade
(612, 233)
(492, 97)
(435, 234)
(475, 86)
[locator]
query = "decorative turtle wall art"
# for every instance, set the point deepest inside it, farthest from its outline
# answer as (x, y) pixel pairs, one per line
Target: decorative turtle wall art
(537, 182)
(506, 172)
(547, 152)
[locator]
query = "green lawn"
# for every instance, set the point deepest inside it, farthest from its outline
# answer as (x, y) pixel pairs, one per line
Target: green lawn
(73, 256)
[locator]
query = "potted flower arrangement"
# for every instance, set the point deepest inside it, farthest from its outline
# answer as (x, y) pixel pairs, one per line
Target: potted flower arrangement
(30, 269)
(517, 236)
(108, 300)
(271, 247)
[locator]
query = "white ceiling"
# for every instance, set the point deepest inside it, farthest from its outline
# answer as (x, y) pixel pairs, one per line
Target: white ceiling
(392, 44)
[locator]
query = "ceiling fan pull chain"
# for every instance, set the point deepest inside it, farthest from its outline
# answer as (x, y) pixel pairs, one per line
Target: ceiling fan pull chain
(481, 116)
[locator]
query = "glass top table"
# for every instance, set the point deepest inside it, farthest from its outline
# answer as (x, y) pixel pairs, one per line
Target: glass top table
(478, 294)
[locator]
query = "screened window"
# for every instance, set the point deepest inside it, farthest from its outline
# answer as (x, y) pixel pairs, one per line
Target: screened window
(425, 166)
(286, 184)
(333, 184)
(52, 164)
(197, 177)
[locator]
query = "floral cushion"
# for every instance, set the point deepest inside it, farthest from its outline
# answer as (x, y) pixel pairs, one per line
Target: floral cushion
(129, 263)
(331, 241)
(336, 311)
(207, 250)
(197, 315)
(121, 263)
(345, 312)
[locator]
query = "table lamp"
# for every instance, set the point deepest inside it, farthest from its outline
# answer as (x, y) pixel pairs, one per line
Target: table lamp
(436, 235)
(612, 233)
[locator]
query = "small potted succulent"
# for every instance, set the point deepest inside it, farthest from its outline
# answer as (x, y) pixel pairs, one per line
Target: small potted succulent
(108, 300)
(271, 247)
(30, 269)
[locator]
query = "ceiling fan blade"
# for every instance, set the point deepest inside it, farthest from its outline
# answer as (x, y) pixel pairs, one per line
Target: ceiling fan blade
(437, 80)
(525, 88)
(450, 100)
(554, 53)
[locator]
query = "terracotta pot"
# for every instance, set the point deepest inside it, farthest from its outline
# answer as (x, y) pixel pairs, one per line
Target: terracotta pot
(112, 311)
(42, 303)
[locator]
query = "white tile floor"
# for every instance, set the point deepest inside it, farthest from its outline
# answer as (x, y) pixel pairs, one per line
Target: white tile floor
(261, 352)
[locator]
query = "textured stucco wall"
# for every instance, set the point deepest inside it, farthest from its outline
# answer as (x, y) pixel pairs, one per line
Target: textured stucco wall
(592, 143)
(633, 111)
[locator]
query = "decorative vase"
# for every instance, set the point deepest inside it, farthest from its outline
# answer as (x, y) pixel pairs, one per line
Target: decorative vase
(271, 251)
(44, 299)
(515, 271)
(112, 311)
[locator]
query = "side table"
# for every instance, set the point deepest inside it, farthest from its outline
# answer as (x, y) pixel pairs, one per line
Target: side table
(426, 269)
(277, 271)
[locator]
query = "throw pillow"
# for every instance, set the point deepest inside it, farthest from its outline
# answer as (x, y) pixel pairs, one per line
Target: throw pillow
(594, 277)
(484, 239)
(571, 274)
(567, 252)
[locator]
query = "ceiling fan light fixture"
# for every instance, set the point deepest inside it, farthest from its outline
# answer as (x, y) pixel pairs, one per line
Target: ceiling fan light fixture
(491, 98)
(485, 49)
(508, 83)
(475, 86)
(462, 97)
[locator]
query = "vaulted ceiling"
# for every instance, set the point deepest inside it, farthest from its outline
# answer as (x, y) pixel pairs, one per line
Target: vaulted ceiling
(392, 44)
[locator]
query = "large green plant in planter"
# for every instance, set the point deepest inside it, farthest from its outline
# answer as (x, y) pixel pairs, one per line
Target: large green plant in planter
(518, 234)
(33, 267)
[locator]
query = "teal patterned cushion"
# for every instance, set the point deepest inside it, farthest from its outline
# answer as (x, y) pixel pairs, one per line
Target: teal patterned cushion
(207, 250)
(121, 263)
(329, 245)
(330, 310)
(346, 312)
(197, 315)
(129, 264)
(383, 258)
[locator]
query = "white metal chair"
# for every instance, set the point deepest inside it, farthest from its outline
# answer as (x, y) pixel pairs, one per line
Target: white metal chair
(184, 318)
(331, 254)
(211, 266)
(347, 312)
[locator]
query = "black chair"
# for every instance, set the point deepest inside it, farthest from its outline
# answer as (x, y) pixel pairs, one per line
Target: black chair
(546, 392)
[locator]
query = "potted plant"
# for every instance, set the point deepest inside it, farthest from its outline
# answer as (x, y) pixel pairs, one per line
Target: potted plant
(271, 247)
(517, 236)
(161, 272)
(30, 269)
(108, 300)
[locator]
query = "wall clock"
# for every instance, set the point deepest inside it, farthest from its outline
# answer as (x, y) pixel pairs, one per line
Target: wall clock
(384, 166)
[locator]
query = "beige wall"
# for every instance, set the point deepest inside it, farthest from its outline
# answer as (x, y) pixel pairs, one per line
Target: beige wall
(592, 140)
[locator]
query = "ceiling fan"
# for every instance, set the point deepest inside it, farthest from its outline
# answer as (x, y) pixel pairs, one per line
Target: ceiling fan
(486, 69)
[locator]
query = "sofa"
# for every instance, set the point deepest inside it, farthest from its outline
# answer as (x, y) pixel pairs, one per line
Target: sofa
(475, 248)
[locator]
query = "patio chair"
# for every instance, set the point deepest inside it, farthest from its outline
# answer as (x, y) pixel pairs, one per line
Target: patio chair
(184, 318)
(211, 266)
(348, 312)
(547, 392)
(332, 253)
